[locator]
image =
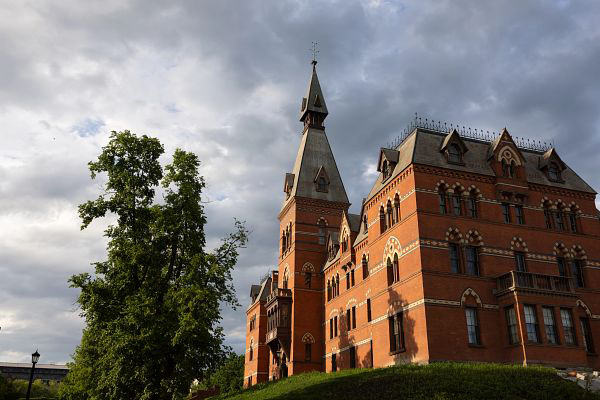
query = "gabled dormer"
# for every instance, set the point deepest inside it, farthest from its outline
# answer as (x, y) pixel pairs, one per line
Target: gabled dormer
(505, 158)
(552, 166)
(333, 245)
(388, 158)
(454, 148)
(321, 180)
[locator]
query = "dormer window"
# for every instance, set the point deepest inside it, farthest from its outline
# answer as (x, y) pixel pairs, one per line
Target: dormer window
(454, 154)
(554, 172)
(321, 184)
(385, 170)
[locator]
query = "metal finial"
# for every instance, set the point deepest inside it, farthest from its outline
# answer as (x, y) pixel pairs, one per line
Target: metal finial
(314, 53)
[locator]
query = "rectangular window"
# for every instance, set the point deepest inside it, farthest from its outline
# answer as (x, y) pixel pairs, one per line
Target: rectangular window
(573, 222)
(352, 278)
(456, 204)
(396, 333)
(519, 214)
(506, 212)
(348, 320)
(368, 310)
(307, 351)
(333, 363)
(335, 326)
(454, 257)
(560, 223)
(307, 279)
(511, 322)
(352, 356)
(347, 280)
(562, 270)
(353, 317)
(472, 207)
(568, 327)
(550, 325)
(587, 335)
(520, 261)
(472, 260)
(331, 328)
(531, 324)
(472, 325)
(577, 273)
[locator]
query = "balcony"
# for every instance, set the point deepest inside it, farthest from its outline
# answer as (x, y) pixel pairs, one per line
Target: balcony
(279, 309)
(538, 283)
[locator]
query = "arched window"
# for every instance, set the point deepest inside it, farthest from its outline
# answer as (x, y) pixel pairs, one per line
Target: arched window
(396, 214)
(251, 352)
(365, 266)
(472, 204)
(328, 290)
(390, 272)
(554, 172)
(454, 153)
(396, 269)
(573, 220)
(283, 243)
(457, 202)
(512, 169)
(577, 267)
(307, 279)
(365, 224)
(559, 218)
(442, 197)
(321, 225)
(505, 170)
(389, 221)
(547, 215)
(382, 226)
(337, 285)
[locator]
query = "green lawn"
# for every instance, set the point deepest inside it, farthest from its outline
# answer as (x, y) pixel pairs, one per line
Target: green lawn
(436, 381)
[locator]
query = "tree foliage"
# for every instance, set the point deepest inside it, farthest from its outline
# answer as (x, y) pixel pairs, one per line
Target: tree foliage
(229, 377)
(152, 308)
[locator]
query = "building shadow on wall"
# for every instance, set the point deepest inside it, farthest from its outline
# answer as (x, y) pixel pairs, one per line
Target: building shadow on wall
(378, 348)
(383, 342)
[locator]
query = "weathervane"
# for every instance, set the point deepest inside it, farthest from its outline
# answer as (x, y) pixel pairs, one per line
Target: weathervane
(314, 53)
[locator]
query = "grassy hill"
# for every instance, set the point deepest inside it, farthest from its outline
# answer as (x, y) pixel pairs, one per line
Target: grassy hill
(438, 381)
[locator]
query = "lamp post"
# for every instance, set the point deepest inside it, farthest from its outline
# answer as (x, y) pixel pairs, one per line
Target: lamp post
(34, 359)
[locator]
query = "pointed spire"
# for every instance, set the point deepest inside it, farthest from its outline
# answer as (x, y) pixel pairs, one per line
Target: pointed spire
(314, 109)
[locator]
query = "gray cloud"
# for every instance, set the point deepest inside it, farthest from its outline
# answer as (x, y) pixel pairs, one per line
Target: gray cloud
(224, 79)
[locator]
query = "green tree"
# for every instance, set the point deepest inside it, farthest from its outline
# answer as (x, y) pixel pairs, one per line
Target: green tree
(229, 377)
(152, 310)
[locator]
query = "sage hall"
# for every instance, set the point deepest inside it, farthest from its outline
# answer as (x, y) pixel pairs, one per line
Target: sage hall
(469, 247)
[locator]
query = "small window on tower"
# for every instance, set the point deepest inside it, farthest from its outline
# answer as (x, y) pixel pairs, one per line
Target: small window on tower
(321, 184)
(554, 172)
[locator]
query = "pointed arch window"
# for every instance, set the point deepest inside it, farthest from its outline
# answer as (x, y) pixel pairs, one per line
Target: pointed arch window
(472, 260)
(472, 204)
(442, 198)
(321, 184)
(454, 258)
(547, 215)
(321, 225)
(365, 266)
(505, 170)
(396, 213)
(573, 220)
(389, 218)
(577, 269)
(559, 218)
(328, 290)
(472, 326)
(382, 224)
(457, 203)
(365, 224)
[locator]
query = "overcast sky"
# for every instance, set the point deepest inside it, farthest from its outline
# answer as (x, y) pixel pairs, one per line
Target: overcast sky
(225, 79)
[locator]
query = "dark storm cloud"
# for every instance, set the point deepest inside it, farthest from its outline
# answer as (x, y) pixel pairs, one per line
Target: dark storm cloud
(225, 79)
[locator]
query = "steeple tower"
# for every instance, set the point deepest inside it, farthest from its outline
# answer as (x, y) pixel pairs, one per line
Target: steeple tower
(315, 174)
(314, 110)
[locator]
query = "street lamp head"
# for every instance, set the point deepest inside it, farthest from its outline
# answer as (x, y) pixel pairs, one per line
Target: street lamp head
(35, 357)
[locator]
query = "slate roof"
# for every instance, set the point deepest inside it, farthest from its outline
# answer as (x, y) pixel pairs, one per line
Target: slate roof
(262, 291)
(354, 222)
(422, 147)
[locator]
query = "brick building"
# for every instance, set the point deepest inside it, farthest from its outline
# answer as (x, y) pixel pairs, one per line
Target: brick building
(469, 247)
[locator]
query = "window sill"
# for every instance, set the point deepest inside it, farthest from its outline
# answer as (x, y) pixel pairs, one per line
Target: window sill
(391, 353)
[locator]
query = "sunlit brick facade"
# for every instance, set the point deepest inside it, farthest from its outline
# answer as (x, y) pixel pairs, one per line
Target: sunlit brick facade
(467, 248)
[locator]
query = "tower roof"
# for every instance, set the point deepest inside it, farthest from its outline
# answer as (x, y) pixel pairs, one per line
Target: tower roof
(315, 174)
(314, 100)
